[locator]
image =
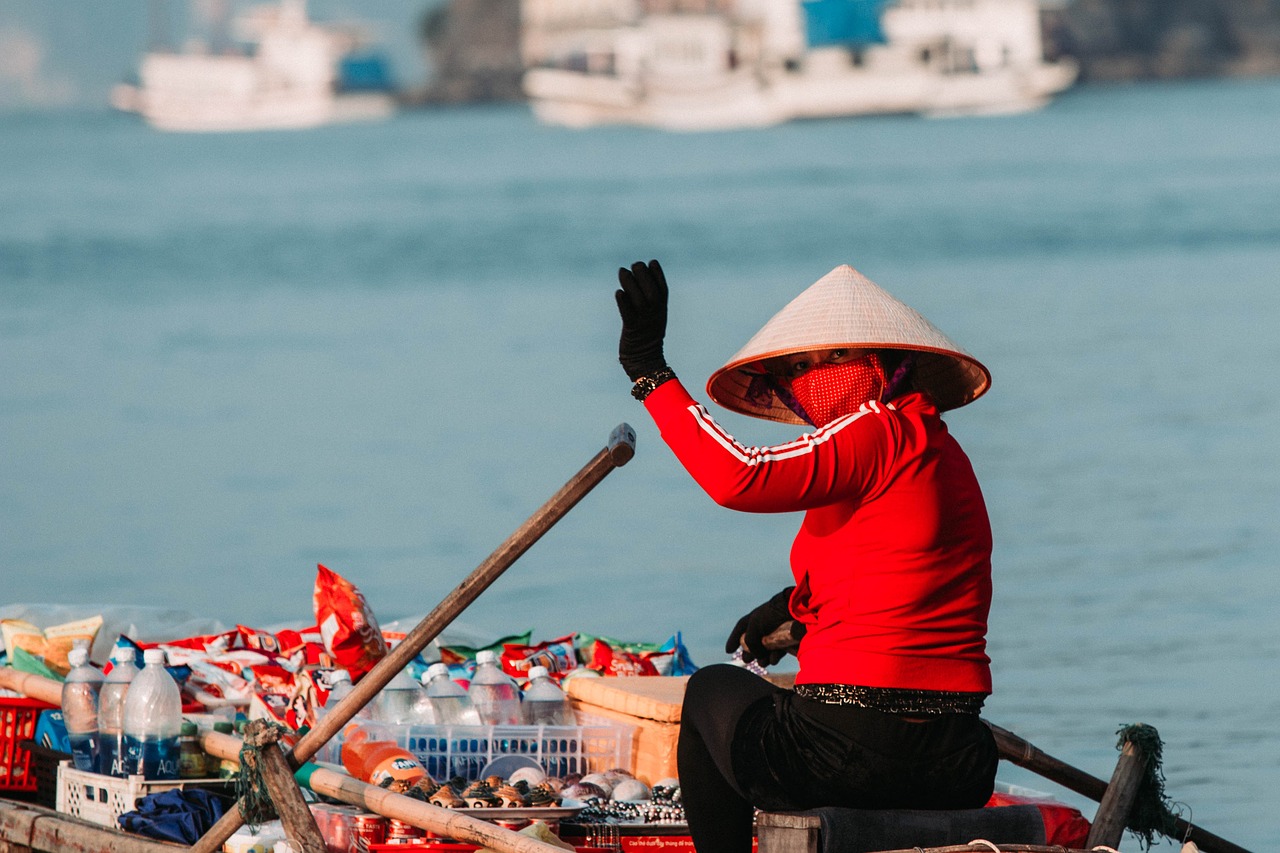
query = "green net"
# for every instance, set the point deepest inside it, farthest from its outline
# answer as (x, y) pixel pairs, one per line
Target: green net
(256, 807)
(1151, 814)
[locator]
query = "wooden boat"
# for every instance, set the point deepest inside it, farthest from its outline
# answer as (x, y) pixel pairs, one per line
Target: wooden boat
(25, 828)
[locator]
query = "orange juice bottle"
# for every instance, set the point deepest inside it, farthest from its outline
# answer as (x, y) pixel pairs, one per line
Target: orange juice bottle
(374, 761)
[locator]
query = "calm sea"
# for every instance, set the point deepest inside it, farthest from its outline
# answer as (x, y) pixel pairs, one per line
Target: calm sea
(224, 359)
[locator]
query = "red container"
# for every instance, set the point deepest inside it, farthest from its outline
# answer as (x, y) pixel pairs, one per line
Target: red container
(18, 718)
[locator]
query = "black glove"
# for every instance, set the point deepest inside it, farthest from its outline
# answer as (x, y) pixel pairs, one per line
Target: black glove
(751, 630)
(642, 302)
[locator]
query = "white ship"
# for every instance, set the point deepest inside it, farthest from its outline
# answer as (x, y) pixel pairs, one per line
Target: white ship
(720, 64)
(284, 72)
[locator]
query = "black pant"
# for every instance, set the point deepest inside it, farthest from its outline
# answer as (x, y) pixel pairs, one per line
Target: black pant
(746, 744)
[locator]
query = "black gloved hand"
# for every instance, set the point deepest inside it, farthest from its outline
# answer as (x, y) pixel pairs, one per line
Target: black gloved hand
(750, 631)
(642, 302)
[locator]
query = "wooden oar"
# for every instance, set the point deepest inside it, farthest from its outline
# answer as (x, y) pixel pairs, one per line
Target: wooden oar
(618, 451)
(1018, 751)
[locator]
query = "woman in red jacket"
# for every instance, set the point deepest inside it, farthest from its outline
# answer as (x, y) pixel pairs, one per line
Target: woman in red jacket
(891, 568)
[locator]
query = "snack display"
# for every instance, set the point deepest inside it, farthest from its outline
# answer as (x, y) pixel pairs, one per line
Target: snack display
(507, 774)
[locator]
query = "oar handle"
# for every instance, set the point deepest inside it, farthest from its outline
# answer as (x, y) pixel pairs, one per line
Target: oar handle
(780, 639)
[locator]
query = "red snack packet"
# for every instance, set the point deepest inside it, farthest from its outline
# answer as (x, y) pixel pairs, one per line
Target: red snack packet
(558, 656)
(608, 660)
(307, 696)
(347, 625)
(211, 643)
(273, 692)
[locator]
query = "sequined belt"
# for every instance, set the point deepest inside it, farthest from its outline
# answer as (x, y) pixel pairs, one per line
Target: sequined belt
(894, 700)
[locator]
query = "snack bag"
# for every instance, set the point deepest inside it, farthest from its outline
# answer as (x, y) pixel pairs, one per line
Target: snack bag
(49, 645)
(292, 649)
(608, 659)
(463, 654)
(347, 625)
(681, 663)
(177, 669)
(558, 656)
(304, 701)
(211, 643)
(273, 694)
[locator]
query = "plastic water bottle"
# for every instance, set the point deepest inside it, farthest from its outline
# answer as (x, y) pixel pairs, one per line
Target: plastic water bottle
(403, 701)
(152, 721)
(452, 705)
(80, 709)
(339, 686)
(545, 703)
(495, 695)
(111, 712)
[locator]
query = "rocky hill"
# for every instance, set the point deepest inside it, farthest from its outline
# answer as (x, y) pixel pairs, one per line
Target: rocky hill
(1148, 39)
(473, 45)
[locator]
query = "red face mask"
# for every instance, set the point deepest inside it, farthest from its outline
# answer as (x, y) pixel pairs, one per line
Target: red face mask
(829, 391)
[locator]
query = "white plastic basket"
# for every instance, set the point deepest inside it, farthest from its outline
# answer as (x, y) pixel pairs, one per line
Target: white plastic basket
(595, 744)
(102, 799)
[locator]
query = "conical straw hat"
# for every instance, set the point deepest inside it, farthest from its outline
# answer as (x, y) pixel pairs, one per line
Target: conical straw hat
(845, 309)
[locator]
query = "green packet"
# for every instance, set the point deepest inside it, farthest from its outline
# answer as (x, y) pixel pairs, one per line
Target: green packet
(584, 643)
(462, 654)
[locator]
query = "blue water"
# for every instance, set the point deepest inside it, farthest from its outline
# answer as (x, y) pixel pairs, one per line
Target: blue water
(85, 751)
(224, 359)
(111, 753)
(151, 757)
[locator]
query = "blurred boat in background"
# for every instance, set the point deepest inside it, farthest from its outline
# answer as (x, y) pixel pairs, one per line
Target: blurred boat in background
(721, 64)
(278, 70)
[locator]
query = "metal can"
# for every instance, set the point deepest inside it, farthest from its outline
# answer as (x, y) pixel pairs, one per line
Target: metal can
(399, 832)
(367, 829)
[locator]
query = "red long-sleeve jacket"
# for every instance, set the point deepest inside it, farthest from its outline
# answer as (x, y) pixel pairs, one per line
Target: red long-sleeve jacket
(892, 563)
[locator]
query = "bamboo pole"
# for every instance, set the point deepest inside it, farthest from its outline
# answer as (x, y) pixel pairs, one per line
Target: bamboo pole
(452, 823)
(31, 686)
(618, 451)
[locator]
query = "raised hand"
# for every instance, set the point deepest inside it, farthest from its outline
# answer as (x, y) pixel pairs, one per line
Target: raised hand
(642, 302)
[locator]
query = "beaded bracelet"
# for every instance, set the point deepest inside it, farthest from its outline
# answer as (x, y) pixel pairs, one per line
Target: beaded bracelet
(646, 384)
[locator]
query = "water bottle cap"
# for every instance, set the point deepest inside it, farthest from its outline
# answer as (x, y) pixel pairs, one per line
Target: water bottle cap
(123, 654)
(437, 669)
(486, 656)
(537, 672)
(222, 727)
(188, 728)
(151, 656)
(78, 657)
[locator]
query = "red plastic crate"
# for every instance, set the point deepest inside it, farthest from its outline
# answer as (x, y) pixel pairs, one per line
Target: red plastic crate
(18, 718)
